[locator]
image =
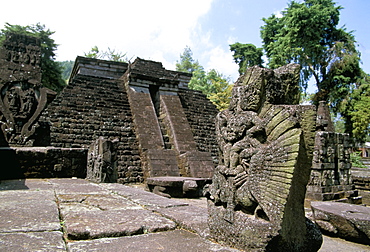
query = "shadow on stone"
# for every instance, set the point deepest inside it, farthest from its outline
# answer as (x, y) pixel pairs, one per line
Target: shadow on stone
(10, 167)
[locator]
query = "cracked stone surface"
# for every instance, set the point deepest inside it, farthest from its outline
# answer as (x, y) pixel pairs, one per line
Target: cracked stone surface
(32, 241)
(33, 211)
(348, 221)
(189, 217)
(172, 241)
(82, 223)
(144, 198)
(47, 214)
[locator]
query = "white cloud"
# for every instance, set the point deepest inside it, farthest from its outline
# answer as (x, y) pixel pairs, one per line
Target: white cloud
(279, 14)
(223, 62)
(140, 27)
(156, 30)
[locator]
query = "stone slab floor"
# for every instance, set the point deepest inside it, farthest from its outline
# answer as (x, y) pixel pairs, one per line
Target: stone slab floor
(77, 215)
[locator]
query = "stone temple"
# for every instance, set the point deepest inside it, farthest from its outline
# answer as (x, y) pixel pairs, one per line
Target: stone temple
(258, 161)
(158, 125)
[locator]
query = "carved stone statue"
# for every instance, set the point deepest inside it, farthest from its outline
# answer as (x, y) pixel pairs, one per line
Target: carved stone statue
(255, 201)
(102, 161)
(22, 97)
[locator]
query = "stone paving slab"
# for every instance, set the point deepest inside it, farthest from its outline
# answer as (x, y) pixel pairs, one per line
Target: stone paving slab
(76, 186)
(97, 201)
(348, 221)
(26, 211)
(171, 241)
(26, 184)
(147, 199)
(30, 205)
(87, 222)
(189, 217)
(32, 241)
(331, 244)
(96, 213)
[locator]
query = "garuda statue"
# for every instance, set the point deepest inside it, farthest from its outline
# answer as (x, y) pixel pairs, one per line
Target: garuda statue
(255, 201)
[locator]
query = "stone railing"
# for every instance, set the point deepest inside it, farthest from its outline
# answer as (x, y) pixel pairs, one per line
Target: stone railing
(42, 162)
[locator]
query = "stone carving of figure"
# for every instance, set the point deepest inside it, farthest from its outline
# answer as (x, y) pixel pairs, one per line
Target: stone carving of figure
(28, 102)
(240, 136)
(258, 188)
(13, 100)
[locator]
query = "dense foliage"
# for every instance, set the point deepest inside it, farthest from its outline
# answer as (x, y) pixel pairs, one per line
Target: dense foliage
(307, 33)
(66, 67)
(51, 70)
(355, 109)
(211, 83)
(246, 55)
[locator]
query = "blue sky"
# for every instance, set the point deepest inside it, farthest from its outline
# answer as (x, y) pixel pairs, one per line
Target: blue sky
(160, 30)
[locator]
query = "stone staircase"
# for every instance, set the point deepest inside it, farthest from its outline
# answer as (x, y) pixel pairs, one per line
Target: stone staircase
(166, 138)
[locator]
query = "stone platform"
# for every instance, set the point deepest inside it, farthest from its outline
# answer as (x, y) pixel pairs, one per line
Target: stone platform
(77, 215)
(178, 187)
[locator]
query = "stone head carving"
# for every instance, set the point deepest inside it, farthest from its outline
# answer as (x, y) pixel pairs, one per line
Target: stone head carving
(261, 85)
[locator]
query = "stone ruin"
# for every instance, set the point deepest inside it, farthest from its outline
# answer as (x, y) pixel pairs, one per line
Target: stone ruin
(163, 129)
(102, 161)
(331, 165)
(266, 141)
(119, 122)
(22, 97)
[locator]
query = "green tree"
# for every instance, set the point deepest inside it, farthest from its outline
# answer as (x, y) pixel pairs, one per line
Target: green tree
(307, 34)
(355, 109)
(246, 55)
(199, 79)
(51, 70)
(110, 54)
(222, 90)
(66, 67)
(186, 63)
(93, 53)
(213, 84)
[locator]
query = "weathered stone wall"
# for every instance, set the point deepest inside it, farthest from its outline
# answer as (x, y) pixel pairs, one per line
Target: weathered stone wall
(93, 106)
(331, 165)
(361, 176)
(361, 182)
(201, 114)
(42, 162)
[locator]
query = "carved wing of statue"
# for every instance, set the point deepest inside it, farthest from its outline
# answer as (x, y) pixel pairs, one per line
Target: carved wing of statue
(271, 169)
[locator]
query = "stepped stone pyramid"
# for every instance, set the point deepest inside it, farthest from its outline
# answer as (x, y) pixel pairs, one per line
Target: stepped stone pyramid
(163, 128)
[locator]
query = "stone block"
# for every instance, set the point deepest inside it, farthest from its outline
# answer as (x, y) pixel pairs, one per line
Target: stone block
(177, 187)
(102, 161)
(348, 221)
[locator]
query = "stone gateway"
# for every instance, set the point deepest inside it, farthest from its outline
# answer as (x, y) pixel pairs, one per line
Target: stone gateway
(255, 201)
